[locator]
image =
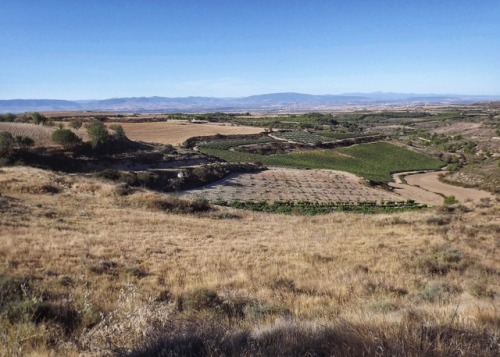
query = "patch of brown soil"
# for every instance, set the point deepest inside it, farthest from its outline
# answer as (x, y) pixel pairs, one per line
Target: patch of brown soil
(174, 133)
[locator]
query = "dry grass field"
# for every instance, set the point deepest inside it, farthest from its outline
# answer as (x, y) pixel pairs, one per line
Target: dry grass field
(40, 134)
(88, 270)
(176, 132)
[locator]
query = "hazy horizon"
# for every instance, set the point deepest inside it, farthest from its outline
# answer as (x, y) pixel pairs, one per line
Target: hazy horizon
(82, 50)
(259, 94)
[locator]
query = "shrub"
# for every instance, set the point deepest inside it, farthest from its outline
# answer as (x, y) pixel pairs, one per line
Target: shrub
(98, 134)
(24, 142)
(8, 117)
(449, 200)
(65, 137)
(118, 129)
(38, 118)
(6, 142)
(75, 124)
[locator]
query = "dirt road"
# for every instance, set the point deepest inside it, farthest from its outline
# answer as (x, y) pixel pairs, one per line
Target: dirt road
(426, 188)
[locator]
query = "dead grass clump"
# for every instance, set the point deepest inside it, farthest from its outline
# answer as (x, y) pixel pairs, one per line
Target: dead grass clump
(384, 306)
(13, 290)
(133, 319)
(12, 205)
(123, 189)
(370, 288)
(453, 208)
(443, 260)
(104, 267)
(170, 204)
(439, 220)
(200, 299)
(481, 288)
(438, 291)
(17, 186)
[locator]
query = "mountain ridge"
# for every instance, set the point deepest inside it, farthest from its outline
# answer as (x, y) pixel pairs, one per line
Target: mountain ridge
(272, 102)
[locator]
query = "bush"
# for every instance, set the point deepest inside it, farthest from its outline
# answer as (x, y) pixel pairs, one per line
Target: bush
(75, 124)
(450, 200)
(98, 134)
(6, 142)
(8, 117)
(65, 137)
(118, 129)
(24, 142)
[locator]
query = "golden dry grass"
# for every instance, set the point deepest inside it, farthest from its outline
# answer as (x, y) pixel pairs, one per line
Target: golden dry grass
(40, 134)
(101, 253)
(176, 132)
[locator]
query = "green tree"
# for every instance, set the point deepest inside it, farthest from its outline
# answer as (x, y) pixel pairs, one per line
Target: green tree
(98, 134)
(65, 138)
(38, 118)
(6, 142)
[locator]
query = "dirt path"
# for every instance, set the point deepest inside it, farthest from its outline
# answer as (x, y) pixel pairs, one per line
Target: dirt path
(426, 188)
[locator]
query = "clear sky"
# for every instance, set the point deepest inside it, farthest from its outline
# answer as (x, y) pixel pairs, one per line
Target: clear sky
(85, 49)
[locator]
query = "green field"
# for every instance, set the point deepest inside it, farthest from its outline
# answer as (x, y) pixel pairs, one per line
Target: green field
(374, 161)
(227, 144)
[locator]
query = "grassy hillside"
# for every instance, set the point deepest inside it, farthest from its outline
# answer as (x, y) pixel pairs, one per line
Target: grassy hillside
(89, 268)
(374, 161)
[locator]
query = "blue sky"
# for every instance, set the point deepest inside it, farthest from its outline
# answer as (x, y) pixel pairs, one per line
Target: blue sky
(103, 49)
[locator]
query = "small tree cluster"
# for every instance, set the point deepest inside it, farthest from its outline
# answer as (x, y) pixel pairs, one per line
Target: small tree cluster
(38, 118)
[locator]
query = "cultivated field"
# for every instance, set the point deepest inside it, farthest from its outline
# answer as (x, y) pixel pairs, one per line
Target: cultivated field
(278, 184)
(372, 161)
(88, 270)
(176, 132)
(40, 134)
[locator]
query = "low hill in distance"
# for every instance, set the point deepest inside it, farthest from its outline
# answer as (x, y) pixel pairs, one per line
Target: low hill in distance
(274, 102)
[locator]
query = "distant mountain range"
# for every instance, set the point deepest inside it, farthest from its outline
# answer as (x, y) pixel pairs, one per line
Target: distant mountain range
(274, 102)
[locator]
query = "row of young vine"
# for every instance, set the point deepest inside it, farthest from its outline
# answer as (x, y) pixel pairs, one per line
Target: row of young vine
(313, 208)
